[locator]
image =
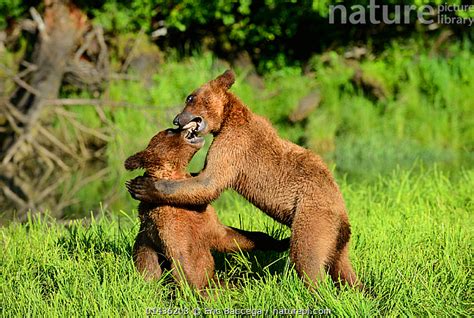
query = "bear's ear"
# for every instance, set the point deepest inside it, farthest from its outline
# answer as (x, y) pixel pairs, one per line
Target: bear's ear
(135, 161)
(226, 79)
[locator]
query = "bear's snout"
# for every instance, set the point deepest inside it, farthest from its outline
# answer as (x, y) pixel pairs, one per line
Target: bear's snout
(184, 118)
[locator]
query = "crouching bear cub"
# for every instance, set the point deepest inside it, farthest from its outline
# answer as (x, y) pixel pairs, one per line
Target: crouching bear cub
(183, 236)
(286, 181)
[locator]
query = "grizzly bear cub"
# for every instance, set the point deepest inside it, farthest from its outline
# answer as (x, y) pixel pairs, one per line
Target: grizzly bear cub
(289, 183)
(182, 237)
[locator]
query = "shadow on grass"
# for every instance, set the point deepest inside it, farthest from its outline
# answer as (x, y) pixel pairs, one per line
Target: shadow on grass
(254, 264)
(98, 239)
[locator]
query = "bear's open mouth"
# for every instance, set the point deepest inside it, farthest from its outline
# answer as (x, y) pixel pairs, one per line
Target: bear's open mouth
(196, 124)
(192, 130)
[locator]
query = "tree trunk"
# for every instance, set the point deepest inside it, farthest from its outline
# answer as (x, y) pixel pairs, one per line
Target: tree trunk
(58, 35)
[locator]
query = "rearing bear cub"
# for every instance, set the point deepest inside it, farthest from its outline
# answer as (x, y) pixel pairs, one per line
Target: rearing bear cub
(183, 236)
(286, 181)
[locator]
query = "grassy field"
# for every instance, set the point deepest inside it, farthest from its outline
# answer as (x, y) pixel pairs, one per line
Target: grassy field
(404, 162)
(411, 245)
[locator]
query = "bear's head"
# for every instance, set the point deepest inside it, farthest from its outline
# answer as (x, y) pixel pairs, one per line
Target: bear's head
(169, 150)
(204, 110)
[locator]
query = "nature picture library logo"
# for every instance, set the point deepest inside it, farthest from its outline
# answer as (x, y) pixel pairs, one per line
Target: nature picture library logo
(402, 14)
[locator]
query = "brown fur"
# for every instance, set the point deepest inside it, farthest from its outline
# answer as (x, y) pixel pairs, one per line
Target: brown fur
(183, 237)
(286, 181)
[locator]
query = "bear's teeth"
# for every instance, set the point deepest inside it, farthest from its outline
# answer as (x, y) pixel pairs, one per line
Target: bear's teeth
(191, 124)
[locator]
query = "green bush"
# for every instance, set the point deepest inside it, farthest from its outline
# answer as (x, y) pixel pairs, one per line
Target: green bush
(273, 32)
(14, 9)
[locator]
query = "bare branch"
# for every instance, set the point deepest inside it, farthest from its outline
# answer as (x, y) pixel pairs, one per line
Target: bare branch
(49, 189)
(51, 155)
(12, 123)
(13, 149)
(55, 141)
(12, 196)
(96, 176)
(132, 51)
(20, 82)
(15, 112)
(88, 130)
(39, 23)
(94, 102)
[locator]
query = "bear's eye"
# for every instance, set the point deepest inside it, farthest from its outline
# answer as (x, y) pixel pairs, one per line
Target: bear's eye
(189, 99)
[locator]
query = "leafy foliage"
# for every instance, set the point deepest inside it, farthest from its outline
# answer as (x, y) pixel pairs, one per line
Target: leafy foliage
(13, 10)
(275, 33)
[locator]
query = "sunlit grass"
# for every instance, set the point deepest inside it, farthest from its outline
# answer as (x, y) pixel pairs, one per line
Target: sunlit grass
(411, 246)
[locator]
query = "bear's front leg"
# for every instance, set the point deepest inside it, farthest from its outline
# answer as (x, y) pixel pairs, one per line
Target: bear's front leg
(148, 189)
(199, 190)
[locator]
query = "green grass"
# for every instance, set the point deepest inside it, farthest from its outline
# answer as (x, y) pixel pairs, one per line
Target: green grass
(404, 164)
(411, 245)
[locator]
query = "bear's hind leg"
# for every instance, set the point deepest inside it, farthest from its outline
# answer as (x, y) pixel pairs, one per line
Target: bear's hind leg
(341, 270)
(145, 257)
(312, 244)
(196, 268)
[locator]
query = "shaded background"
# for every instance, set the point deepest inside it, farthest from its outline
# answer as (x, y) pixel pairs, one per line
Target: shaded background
(84, 84)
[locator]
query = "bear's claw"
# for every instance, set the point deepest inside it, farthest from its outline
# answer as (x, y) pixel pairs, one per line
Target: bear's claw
(141, 188)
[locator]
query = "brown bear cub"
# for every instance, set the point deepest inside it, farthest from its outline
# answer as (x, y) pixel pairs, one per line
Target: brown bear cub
(289, 183)
(183, 237)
